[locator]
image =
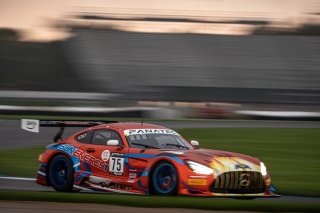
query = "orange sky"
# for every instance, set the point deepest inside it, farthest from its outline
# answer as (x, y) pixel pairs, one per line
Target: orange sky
(32, 16)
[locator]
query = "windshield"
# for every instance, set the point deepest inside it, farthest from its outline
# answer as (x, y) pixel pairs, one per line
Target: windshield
(155, 139)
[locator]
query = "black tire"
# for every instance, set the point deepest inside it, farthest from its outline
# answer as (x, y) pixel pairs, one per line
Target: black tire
(244, 198)
(164, 179)
(61, 173)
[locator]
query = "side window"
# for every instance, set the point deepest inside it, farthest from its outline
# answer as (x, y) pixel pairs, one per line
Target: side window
(100, 137)
(84, 137)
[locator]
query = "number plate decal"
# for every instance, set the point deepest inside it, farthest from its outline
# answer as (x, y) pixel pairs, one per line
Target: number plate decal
(116, 164)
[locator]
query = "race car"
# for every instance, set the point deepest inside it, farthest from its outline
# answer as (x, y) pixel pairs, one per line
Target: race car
(147, 159)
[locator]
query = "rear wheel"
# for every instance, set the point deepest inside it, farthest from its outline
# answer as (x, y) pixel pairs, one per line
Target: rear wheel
(165, 179)
(61, 173)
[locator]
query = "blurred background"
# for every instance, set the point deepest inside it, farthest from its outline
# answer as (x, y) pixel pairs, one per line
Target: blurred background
(214, 70)
(165, 59)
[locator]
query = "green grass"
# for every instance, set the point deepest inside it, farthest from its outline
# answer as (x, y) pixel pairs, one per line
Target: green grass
(291, 155)
(167, 202)
(20, 162)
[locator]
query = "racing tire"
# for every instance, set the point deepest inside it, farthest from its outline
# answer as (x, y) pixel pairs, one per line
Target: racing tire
(244, 198)
(164, 180)
(61, 173)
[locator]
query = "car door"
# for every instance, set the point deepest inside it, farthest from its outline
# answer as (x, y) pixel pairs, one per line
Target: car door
(108, 159)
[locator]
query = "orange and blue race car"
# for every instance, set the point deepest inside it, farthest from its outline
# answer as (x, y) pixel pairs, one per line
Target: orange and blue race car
(140, 158)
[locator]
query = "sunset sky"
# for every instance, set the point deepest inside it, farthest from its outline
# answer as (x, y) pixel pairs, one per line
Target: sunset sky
(33, 17)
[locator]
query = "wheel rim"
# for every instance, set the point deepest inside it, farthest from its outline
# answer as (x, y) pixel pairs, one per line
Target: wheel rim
(165, 178)
(60, 172)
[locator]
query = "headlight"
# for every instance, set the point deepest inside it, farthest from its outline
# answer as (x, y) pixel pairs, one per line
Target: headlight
(199, 168)
(263, 169)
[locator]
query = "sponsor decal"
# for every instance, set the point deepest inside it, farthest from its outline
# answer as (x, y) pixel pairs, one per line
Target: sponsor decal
(241, 166)
(82, 136)
(119, 186)
(116, 164)
(244, 179)
(30, 125)
(105, 155)
(149, 131)
(90, 159)
(132, 175)
(199, 182)
(66, 148)
(83, 156)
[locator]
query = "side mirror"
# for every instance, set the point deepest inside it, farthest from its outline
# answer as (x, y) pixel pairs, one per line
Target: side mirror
(195, 144)
(113, 142)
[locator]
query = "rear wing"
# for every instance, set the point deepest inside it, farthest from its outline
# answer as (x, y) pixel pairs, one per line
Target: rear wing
(32, 125)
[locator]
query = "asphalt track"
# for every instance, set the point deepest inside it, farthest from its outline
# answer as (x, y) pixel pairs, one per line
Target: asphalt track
(13, 137)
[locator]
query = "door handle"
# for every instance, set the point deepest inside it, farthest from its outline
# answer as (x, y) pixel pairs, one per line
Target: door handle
(91, 150)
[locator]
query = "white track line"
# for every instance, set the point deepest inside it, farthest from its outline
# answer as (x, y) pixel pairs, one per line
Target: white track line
(17, 178)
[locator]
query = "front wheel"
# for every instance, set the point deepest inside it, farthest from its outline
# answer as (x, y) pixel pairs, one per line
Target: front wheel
(165, 179)
(61, 173)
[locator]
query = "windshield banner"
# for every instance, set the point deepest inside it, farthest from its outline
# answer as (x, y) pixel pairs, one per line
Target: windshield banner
(149, 131)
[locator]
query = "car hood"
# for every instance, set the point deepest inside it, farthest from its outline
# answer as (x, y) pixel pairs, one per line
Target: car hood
(219, 161)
